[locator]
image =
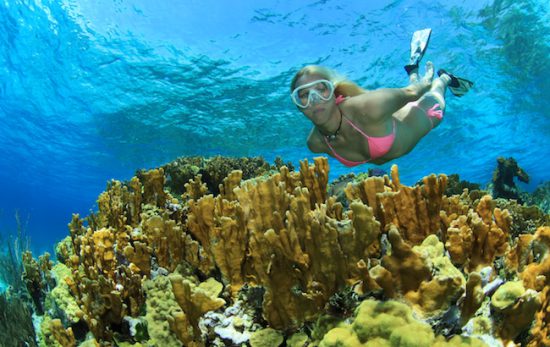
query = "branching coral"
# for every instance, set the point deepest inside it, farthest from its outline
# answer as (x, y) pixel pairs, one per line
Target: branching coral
(413, 210)
(476, 239)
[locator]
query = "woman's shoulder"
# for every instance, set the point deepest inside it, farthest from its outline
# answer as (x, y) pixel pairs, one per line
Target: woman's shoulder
(357, 109)
(315, 141)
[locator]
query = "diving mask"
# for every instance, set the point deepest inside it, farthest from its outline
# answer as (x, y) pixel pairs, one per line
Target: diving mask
(313, 92)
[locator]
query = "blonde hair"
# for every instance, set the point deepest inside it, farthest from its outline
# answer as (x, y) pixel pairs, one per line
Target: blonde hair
(342, 86)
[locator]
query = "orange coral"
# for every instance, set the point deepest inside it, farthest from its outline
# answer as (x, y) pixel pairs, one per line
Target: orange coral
(540, 331)
(537, 275)
(473, 297)
(194, 302)
(64, 337)
(407, 267)
(476, 239)
(413, 210)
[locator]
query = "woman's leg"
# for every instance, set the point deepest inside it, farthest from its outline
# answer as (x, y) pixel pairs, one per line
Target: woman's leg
(436, 96)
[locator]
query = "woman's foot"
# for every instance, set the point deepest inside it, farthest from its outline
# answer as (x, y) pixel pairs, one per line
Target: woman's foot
(414, 76)
(457, 85)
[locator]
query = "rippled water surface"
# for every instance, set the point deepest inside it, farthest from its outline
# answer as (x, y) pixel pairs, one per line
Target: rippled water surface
(94, 90)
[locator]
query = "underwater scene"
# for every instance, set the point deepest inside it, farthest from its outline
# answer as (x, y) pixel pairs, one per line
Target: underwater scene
(305, 173)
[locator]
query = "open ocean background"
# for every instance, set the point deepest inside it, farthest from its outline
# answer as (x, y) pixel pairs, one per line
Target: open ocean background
(93, 90)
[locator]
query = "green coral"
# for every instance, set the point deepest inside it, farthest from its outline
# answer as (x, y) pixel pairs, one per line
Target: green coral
(64, 249)
(388, 323)
(433, 251)
(60, 297)
(160, 303)
(507, 295)
(266, 338)
(298, 339)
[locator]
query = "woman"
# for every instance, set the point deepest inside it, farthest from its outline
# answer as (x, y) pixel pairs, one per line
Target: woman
(357, 126)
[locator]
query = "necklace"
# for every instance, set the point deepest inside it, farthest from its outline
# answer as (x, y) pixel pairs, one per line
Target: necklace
(331, 137)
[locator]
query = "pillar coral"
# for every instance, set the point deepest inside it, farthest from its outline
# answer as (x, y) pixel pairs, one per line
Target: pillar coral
(165, 238)
(540, 331)
(521, 254)
(194, 189)
(414, 210)
(406, 266)
(434, 297)
(301, 249)
(194, 301)
(472, 299)
(64, 337)
(153, 187)
(476, 239)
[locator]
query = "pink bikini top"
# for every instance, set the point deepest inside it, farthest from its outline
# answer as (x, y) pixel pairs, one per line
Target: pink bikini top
(378, 145)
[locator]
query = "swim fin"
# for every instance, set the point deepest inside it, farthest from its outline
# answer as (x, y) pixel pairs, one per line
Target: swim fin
(458, 86)
(419, 43)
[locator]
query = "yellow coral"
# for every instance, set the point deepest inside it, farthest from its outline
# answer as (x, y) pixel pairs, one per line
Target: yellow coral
(388, 324)
(516, 308)
(161, 305)
(476, 239)
(537, 275)
(473, 297)
(194, 302)
(64, 337)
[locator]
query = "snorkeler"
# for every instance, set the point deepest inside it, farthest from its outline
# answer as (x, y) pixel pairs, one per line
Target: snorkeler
(357, 126)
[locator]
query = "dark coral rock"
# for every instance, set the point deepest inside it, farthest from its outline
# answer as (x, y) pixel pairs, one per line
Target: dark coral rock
(455, 186)
(336, 187)
(213, 170)
(526, 218)
(503, 179)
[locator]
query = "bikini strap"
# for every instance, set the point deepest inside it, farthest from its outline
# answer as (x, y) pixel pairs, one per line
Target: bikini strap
(340, 99)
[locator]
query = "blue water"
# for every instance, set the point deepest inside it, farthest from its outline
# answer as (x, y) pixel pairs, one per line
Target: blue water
(94, 90)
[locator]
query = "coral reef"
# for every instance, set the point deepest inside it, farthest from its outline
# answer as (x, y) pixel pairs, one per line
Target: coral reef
(540, 197)
(275, 257)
